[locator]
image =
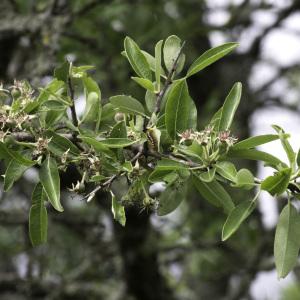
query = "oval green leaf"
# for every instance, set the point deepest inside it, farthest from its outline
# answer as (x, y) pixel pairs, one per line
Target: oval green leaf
(5, 152)
(151, 62)
(255, 141)
(117, 142)
(287, 240)
(158, 47)
(92, 108)
(118, 210)
(238, 215)
(14, 172)
(178, 112)
(230, 106)
(209, 57)
(227, 170)
(170, 199)
(244, 179)
(50, 180)
(171, 50)
(278, 183)
(127, 104)
(137, 59)
(145, 83)
(38, 219)
(208, 176)
(58, 144)
(214, 193)
(98, 146)
(291, 155)
(254, 154)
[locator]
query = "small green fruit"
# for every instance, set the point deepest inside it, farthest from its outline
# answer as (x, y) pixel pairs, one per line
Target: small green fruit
(119, 116)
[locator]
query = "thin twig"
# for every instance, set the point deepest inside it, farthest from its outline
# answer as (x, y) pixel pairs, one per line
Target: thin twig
(168, 81)
(73, 110)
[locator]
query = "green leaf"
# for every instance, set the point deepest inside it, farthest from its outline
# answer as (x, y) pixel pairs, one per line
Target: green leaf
(62, 72)
(150, 99)
(135, 192)
(92, 108)
(51, 105)
(195, 150)
(14, 172)
(192, 123)
(53, 90)
(90, 85)
(255, 141)
(209, 57)
(171, 50)
(214, 193)
(230, 106)
(287, 240)
(98, 146)
(81, 71)
(8, 153)
(208, 176)
(278, 183)
(117, 142)
(137, 59)
(254, 154)
(54, 87)
(49, 178)
(170, 199)
(127, 104)
(58, 145)
(227, 170)
(38, 220)
(119, 130)
(151, 62)
(118, 210)
(52, 112)
(163, 168)
(178, 111)
(286, 145)
(159, 175)
(108, 112)
(145, 83)
(237, 216)
(127, 166)
(298, 158)
(98, 178)
(215, 121)
(158, 47)
(244, 179)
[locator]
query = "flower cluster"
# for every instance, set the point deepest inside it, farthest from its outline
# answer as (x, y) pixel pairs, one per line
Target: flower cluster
(21, 90)
(206, 136)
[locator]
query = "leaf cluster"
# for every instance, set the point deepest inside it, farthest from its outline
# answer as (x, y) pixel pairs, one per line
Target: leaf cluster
(155, 143)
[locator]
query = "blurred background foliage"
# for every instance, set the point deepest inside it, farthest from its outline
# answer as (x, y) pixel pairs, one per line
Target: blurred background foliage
(88, 255)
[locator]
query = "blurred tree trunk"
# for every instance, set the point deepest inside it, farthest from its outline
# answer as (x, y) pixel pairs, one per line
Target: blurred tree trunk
(138, 248)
